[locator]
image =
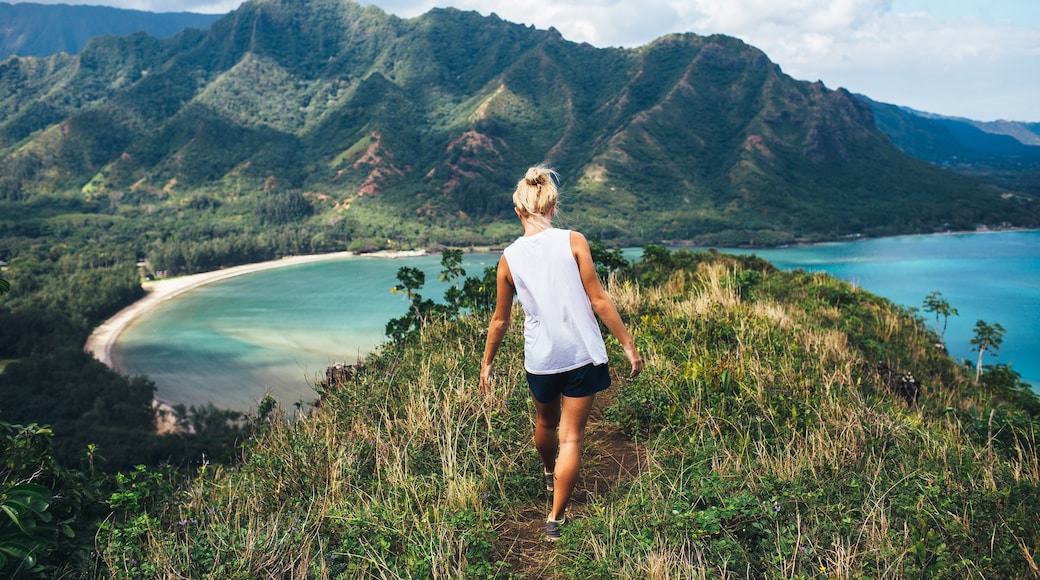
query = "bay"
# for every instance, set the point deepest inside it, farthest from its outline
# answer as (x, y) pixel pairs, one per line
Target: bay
(990, 276)
(276, 331)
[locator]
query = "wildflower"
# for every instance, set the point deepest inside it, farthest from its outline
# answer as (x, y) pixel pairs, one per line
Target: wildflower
(776, 507)
(182, 523)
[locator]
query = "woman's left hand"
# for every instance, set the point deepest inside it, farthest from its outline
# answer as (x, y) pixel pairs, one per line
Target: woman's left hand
(485, 380)
(635, 360)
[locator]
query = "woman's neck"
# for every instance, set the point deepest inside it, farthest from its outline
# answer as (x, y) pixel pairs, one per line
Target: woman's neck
(535, 224)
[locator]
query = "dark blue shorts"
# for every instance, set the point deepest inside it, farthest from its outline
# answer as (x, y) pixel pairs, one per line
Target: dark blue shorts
(580, 382)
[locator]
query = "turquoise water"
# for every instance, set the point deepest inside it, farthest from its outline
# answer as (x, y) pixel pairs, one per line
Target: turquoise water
(276, 331)
(990, 276)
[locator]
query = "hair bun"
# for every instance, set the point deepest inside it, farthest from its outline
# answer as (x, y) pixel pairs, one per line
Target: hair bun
(535, 177)
(536, 193)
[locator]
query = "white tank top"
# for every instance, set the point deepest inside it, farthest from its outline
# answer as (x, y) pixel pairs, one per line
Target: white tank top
(561, 332)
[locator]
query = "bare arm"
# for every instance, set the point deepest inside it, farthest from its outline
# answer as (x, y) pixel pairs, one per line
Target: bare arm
(499, 321)
(602, 305)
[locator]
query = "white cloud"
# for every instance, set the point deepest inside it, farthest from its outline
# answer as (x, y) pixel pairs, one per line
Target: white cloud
(960, 67)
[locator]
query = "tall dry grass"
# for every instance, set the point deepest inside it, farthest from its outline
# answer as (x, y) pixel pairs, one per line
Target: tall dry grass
(781, 410)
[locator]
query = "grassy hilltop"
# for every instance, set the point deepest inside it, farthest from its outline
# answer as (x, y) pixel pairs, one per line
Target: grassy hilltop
(761, 441)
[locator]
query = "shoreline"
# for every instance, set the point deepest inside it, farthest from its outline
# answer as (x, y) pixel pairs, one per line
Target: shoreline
(848, 239)
(102, 340)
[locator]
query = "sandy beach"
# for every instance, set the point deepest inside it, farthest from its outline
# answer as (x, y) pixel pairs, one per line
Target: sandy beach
(105, 336)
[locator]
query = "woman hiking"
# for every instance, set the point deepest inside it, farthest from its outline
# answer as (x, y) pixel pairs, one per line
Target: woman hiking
(552, 274)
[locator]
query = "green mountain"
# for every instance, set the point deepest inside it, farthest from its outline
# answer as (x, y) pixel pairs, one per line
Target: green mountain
(429, 121)
(1006, 153)
(31, 29)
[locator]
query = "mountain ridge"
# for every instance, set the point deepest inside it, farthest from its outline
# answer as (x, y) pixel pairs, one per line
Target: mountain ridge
(429, 120)
(1006, 153)
(32, 29)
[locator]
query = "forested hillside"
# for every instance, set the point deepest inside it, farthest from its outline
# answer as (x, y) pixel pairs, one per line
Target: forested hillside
(348, 122)
(1005, 153)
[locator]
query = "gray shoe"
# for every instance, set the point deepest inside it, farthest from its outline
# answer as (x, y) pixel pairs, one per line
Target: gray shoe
(549, 482)
(552, 528)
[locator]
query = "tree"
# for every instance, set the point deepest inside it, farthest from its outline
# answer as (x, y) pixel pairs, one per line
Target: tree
(451, 261)
(986, 336)
(474, 293)
(935, 302)
(606, 261)
(411, 280)
(480, 294)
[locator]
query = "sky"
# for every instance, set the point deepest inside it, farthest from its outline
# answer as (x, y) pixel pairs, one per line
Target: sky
(977, 59)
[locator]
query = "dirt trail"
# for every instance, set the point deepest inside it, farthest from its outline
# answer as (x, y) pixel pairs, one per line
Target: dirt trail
(610, 459)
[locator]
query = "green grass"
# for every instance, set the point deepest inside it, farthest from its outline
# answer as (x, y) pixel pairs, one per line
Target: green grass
(768, 447)
(351, 151)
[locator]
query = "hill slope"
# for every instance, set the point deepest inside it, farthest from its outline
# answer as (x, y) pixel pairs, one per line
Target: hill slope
(376, 120)
(762, 441)
(1001, 152)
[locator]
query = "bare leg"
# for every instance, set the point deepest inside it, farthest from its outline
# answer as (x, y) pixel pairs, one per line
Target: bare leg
(547, 419)
(559, 434)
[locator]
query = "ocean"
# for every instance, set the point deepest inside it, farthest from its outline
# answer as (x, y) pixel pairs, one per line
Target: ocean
(276, 331)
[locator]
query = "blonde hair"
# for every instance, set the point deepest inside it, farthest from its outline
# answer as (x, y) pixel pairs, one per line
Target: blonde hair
(536, 194)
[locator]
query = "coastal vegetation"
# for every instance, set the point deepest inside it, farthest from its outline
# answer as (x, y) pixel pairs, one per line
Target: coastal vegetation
(300, 128)
(778, 431)
(786, 425)
(322, 126)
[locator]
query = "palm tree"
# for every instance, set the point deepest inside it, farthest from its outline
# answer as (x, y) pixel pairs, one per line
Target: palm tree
(986, 336)
(935, 302)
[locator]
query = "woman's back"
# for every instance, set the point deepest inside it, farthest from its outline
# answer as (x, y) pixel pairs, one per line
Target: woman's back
(560, 329)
